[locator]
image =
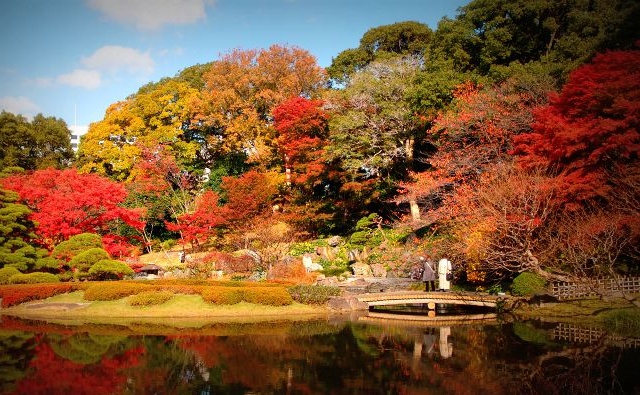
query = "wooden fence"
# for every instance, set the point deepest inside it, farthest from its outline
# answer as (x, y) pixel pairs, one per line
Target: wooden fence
(595, 287)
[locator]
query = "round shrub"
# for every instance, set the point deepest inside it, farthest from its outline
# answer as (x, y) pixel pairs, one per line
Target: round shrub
(6, 272)
(108, 269)
(113, 291)
(75, 245)
(527, 284)
(84, 260)
(223, 295)
(313, 294)
(270, 296)
(150, 298)
(33, 278)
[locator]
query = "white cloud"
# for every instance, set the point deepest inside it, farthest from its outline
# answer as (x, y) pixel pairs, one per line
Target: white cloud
(113, 58)
(152, 14)
(19, 105)
(81, 78)
(43, 82)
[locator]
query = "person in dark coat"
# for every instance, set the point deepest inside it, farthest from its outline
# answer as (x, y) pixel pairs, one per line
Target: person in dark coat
(428, 274)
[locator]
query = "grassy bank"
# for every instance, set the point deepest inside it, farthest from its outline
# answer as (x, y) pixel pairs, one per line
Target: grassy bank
(189, 310)
(614, 314)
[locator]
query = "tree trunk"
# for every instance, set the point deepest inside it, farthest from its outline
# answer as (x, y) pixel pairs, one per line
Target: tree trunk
(413, 204)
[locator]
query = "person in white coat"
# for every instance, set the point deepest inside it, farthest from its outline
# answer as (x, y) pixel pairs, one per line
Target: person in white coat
(444, 267)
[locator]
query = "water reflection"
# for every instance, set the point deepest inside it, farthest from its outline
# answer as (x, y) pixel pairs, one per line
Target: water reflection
(338, 356)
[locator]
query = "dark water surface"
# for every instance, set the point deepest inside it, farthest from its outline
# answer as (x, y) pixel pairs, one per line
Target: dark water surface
(357, 355)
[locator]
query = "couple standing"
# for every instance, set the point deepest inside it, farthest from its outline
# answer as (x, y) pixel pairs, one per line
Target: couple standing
(429, 274)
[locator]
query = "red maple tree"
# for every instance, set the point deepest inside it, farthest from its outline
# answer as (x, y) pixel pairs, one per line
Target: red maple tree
(302, 126)
(67, 203)
(197, 226)
(589, 128)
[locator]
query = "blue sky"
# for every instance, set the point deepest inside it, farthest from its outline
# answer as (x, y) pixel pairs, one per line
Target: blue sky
(73, 58)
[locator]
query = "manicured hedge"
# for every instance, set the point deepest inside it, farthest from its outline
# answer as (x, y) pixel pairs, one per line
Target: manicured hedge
(223, 295)
(15, 294)
(270, 296)
(313, 294)
(6, 272)
(113, 290)
(33, 278)
(150, 298)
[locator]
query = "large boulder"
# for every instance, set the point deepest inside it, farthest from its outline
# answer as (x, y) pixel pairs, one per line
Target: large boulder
(346, 304)
(362, 269)
(309, 264)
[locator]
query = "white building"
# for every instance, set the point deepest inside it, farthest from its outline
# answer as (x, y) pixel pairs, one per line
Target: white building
(77, 131)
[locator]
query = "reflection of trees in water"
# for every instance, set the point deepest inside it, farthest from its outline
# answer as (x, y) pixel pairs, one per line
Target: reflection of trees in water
(322, 358)
(595, 367)
(85, 348)
(49, 373)
(16, 351)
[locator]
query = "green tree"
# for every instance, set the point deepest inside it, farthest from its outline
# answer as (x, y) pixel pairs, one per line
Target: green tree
(401, 38)
(489, 35)
(373, 127)
(108, 269)
(41, 143)
(67, 249)
(16, 233)
(81, 263)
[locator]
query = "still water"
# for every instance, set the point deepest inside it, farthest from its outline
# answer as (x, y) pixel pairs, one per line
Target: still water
(341, 355)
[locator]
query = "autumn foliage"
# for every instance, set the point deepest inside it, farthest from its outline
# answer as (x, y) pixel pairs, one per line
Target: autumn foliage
(67, 203)
(302, 126)
(589, 128)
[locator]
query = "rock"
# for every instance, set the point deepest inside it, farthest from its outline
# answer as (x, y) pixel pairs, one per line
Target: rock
(334, 241)
(361, 269)
(379, 270)
(376, 287)
(309, 265)
(346, 304)
(328, 281)
(326, 253)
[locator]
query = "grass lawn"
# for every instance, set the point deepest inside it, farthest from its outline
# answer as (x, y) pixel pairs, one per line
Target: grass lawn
(187, 310)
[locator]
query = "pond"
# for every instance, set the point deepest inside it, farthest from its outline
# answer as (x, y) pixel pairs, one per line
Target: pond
(358, 354)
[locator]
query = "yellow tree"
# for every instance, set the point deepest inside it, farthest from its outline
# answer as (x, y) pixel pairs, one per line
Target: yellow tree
(156, 115)
(242, 89)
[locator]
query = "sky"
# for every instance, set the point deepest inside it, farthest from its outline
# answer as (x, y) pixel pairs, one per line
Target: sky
(71, 59)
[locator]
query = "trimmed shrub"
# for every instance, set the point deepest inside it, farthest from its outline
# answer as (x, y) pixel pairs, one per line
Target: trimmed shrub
(75, 245)
(527, 284)
(113, 291)
(270, 296)
(313, 294)
(15, 294)
(6, 272)
(223, 295)
(150, 298)
(84, 260)
(108, 269)
(33, 278)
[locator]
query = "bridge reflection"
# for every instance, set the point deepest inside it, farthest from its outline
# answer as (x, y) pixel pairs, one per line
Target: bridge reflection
(434, 320)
